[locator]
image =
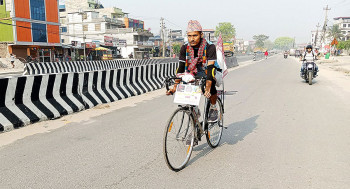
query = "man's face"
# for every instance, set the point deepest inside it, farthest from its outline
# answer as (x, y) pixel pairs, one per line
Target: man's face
(194, 38)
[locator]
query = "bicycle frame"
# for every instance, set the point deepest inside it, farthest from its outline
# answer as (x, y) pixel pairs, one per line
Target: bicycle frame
(194, 115)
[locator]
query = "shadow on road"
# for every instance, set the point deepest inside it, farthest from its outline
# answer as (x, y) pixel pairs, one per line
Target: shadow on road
(235, 132)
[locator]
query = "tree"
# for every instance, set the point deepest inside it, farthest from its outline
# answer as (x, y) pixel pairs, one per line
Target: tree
(344, 45)
(176, 48)
(260, 39)
(284, 43)
(334, 32)
(269, 45)
(227, 30)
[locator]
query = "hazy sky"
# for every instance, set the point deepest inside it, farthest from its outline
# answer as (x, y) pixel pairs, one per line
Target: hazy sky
(275, 18)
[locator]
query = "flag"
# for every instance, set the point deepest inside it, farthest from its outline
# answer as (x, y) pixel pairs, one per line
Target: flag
(221, 56)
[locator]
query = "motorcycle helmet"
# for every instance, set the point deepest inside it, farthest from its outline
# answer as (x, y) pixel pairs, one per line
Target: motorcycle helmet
(309, 47)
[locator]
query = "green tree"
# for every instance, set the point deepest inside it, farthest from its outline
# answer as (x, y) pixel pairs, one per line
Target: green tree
(334, 32)
(344, 45)
(260, 40)
(284, 43)
(176, 48)
(227, 30)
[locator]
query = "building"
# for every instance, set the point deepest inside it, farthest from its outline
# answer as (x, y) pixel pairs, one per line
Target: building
(344, 26)
(209, 34)
(89, 19)
(176, 36)
(316, 37)
(31, 28)
(88, 27)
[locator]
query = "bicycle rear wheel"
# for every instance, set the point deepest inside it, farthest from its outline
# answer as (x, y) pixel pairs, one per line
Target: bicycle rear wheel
(178, 139)
(213, 131)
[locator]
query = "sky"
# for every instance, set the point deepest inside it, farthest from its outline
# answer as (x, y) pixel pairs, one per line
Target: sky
(274, 18)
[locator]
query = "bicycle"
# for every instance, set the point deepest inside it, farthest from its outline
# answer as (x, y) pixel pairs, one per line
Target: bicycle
(184, 128)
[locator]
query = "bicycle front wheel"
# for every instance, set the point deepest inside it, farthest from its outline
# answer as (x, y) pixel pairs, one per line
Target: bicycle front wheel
(213, 131)
(178, 139)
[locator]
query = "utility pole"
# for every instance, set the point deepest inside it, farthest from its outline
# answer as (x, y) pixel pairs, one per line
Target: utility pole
(293, 42)
(316, 36)
(323, 39)
(82, 13)
(162, 26)
(171, 43)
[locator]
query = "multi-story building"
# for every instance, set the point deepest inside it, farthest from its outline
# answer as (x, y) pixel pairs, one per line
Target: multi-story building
(316, 37)
(176, 36)
(31, 29)
(209, 34)
(88, 27)
(91, 19)
(344, 26)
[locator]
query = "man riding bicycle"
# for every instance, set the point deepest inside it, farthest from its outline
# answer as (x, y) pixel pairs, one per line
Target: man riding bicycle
(198, 57)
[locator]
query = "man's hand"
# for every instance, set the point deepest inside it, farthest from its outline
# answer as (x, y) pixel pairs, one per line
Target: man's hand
(171, 91)
(207, 89)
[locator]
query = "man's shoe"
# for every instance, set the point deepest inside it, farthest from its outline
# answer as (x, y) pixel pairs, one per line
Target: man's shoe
(213, 115)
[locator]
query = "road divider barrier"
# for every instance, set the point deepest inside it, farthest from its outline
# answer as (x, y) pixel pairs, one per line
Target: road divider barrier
(85, 66)
(32, 98)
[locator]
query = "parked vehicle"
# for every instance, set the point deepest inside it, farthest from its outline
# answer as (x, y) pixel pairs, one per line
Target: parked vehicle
(229, 48)
(292, 52)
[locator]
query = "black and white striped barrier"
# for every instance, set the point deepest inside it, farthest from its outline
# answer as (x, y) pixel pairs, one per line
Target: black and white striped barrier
(29, 99)
(82, 66)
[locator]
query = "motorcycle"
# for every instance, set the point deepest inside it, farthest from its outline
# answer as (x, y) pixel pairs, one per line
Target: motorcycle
(309, 72)
(285, 56)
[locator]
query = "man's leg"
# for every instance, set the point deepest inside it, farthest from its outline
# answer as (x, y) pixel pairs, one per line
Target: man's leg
(213, 99)
(213, 111)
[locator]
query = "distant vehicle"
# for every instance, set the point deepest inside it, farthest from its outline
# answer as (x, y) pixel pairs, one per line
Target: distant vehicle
(292, 52)
(229, 48)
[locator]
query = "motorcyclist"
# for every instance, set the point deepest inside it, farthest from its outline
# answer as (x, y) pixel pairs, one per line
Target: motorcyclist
(198, 57)
(309, 56)
(285, 54)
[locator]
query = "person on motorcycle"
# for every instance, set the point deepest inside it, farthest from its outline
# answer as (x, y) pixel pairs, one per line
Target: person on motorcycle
(285, 54)
(308, 57)
(198, 57)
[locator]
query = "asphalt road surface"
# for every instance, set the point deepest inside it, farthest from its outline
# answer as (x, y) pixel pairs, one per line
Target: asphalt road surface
(282, 133)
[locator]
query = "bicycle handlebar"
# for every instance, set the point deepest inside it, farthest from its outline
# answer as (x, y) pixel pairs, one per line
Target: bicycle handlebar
(168, 82)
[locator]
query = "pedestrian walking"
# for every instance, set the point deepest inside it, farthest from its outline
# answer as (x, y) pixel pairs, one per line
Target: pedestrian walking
(266, 54)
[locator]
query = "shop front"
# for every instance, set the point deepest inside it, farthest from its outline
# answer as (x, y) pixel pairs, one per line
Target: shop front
(27, 53)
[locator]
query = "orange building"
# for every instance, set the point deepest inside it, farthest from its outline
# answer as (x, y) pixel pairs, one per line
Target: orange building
(35, 29)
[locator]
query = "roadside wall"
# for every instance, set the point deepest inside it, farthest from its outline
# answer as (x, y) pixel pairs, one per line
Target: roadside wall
(29, 99)
(83, 66)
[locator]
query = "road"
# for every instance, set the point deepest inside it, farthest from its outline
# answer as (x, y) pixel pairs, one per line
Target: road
(282, 133)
